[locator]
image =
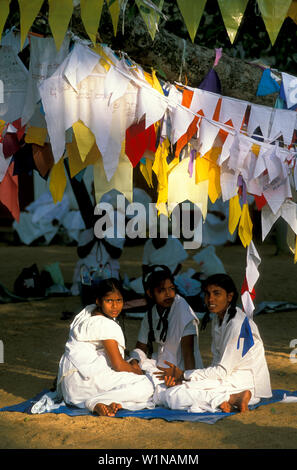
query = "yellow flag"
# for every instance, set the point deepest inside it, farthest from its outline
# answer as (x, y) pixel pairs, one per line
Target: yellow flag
(76, 164)
(90, 11)
(28, 13)
(232, 13)
(295, 256)
(122, 179)
(191, 12)
(181, 187)
(146, 170)
(292, 12)
(245, 228)
(214, 185)
(150, 16)
(84, 137)
(114, 7)
(202, 169)
(35, 135)
(160, 168)
(59, 16)
(4, 10)
(234, 213)
(58, 181)
(274, 13)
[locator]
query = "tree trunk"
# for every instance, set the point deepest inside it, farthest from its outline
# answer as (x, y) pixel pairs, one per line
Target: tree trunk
(239, 79)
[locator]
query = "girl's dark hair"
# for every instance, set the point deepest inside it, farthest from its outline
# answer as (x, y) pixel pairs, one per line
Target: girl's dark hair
(156, 275)
(225, 282)
(108, 285)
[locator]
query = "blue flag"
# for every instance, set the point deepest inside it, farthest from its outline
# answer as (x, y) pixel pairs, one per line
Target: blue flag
(247, 335)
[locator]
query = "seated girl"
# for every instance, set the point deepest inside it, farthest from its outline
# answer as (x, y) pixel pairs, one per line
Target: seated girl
(92, 371)
(170, 322)
(238, 376)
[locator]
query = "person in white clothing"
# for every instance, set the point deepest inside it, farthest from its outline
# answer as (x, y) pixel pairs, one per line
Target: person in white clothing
(163, 251)
(170, 322)
(93, 373)
(238, 376)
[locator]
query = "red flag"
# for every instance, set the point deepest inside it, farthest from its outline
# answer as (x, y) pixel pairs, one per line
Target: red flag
(138, 140)
(9, 192)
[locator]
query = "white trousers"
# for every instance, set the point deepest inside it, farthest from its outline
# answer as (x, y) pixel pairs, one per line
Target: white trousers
(202, 396)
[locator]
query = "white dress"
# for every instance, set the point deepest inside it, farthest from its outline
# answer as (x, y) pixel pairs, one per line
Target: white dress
(233, 370)
(182, 321)
(85, 374)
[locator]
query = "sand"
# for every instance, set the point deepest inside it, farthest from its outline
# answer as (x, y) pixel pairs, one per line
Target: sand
(34, 335)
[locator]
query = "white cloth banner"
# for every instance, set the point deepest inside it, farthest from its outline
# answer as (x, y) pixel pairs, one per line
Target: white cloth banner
(44, 61)
(284, 122)
(288, 211)
(14, 78)
(290, 88)
(234, 110)
(259, 117)
(204, 101)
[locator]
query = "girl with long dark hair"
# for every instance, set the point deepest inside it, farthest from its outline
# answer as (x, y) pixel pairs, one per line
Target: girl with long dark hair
(93, 373)
(238, 375)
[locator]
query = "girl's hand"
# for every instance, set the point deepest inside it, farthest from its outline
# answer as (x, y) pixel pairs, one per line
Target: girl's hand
(136, 368)
(171, 371)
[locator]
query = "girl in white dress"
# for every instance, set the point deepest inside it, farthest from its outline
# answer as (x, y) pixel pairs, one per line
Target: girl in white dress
(170, 322)
(92, 371)
(238, 376)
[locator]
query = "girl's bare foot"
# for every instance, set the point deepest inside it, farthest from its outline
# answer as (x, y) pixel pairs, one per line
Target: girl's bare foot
(115, 407)
(240, 400)
(106, 410)
(226, 407)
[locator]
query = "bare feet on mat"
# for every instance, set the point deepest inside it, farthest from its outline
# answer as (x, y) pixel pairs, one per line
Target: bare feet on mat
(240, 400)
(106, 410)
(226, 407)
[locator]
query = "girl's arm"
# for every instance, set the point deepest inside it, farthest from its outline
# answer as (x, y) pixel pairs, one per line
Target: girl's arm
(117, 362)
(187, 346)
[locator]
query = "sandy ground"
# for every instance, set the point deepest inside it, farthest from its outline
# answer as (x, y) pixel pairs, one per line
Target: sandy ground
(34, 335)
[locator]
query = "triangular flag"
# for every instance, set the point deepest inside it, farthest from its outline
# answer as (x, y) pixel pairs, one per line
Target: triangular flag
(274, 14)
(90, 12)
(150, 15)
(234, 213)
(247, 336)
(245, 228)
(9, 192)
(59, 16)
(4, 11)
(28, 13)
(232, 13)
(114, 7)
(146, 170)
(191, 12)
(58, 181)
(84, 137)
(35, 135)
(76, 164)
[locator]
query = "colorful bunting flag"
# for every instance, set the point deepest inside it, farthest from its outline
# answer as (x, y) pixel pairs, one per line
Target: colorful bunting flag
(58, 181)
(90, 11)
(150, 13)
(4, 11)
(59, 17)
(114, 7)
(232, 12)
(191, 12)
(28, 13)
(273, 14)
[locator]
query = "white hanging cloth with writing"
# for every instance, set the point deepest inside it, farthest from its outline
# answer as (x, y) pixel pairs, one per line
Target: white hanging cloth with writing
(234, 110)
(44, 61)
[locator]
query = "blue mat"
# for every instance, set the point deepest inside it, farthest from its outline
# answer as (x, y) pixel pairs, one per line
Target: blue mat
(156, 413)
